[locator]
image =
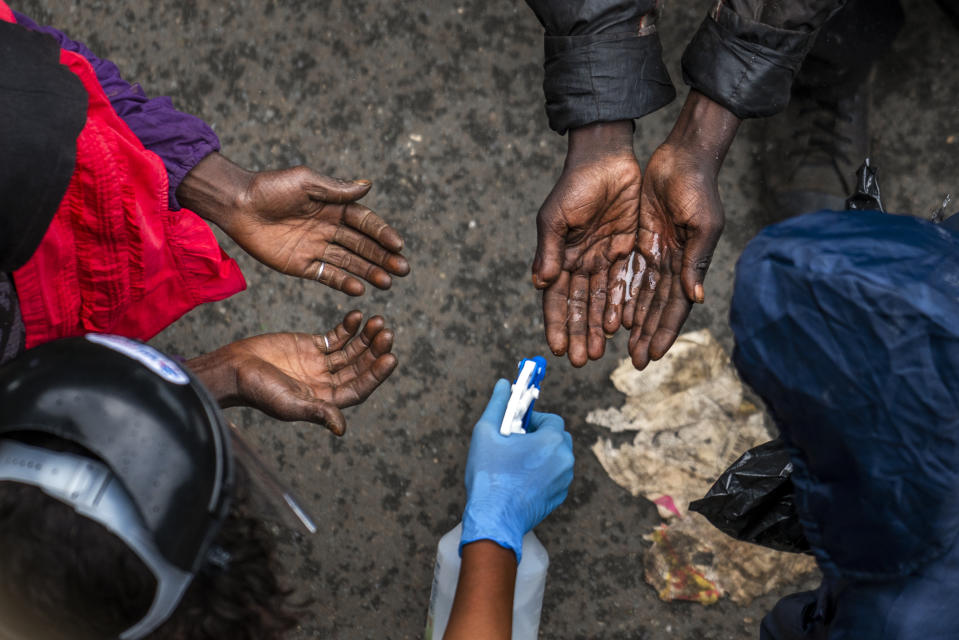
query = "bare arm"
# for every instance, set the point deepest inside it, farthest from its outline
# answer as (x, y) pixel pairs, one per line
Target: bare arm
(483, 606)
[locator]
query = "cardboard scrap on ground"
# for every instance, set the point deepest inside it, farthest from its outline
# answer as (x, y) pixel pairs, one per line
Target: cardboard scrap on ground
(691, 422)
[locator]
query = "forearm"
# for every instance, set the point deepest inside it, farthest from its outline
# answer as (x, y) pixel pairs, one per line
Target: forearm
(214, 189)
(705, 130)
(217, 371)
(483, 606)
(597, 141)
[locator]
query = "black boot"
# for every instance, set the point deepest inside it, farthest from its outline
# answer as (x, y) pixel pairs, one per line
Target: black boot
(812, 152)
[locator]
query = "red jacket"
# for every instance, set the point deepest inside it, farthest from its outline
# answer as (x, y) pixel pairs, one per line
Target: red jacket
(115, 259)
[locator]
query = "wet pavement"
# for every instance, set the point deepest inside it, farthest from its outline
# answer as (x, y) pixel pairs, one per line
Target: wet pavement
(439, 104)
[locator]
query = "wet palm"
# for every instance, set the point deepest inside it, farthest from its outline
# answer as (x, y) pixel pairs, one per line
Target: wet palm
(681, 220)
(587, 227)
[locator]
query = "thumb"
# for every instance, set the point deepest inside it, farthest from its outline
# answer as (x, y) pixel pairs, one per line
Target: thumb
(550, 246)
(302, 405)
(328, 415)
(545, 422)
(336, 190)
(496, 408)
(697, 254)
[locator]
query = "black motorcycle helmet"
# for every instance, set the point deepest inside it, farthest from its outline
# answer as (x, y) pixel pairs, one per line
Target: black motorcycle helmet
(160, 474)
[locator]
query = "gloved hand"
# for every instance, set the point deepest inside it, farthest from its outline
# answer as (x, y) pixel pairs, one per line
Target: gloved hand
(514, 482)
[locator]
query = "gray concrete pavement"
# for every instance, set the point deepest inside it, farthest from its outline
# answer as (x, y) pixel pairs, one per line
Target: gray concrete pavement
(439, 103)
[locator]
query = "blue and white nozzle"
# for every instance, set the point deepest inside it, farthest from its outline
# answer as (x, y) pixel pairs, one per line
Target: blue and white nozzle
(523, 395)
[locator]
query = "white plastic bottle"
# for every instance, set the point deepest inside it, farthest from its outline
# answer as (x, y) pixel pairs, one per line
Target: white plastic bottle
(527, 596)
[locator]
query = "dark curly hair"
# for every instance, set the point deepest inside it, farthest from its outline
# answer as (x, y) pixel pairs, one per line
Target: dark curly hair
(67, 576)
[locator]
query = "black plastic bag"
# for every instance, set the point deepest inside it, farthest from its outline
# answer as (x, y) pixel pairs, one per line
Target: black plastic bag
(753, 501)
(866, 196)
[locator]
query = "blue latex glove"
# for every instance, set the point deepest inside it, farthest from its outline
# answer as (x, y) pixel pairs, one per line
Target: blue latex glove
(514, 482)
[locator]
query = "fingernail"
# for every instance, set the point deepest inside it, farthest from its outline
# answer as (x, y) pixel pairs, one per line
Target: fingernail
(700, 295)
(362, 182)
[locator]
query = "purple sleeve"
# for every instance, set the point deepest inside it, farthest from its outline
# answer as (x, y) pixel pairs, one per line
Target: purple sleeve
(180, 139)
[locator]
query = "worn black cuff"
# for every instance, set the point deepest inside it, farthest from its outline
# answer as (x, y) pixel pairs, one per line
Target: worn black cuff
(748, 67)
(603, 78)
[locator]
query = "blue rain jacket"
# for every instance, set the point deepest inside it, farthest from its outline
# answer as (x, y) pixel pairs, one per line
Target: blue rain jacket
(847, 325)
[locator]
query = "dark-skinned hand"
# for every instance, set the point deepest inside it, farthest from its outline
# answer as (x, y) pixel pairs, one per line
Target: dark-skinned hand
(298, 222)
(586, 229)
(680, 221)
(301, 376)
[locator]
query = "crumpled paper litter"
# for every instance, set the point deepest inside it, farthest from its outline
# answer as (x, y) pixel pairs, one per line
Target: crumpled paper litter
(691, 421)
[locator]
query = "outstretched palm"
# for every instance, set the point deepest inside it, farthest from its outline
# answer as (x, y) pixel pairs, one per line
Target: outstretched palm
(308, 225)
(680, 222)
(586, 228)
(301, 376)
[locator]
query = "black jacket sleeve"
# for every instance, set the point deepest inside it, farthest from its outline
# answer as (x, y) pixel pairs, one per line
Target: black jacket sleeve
(603, 61)
(747, 53)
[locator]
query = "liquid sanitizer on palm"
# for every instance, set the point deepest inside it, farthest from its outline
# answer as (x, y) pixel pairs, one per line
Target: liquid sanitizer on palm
(531, 572)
